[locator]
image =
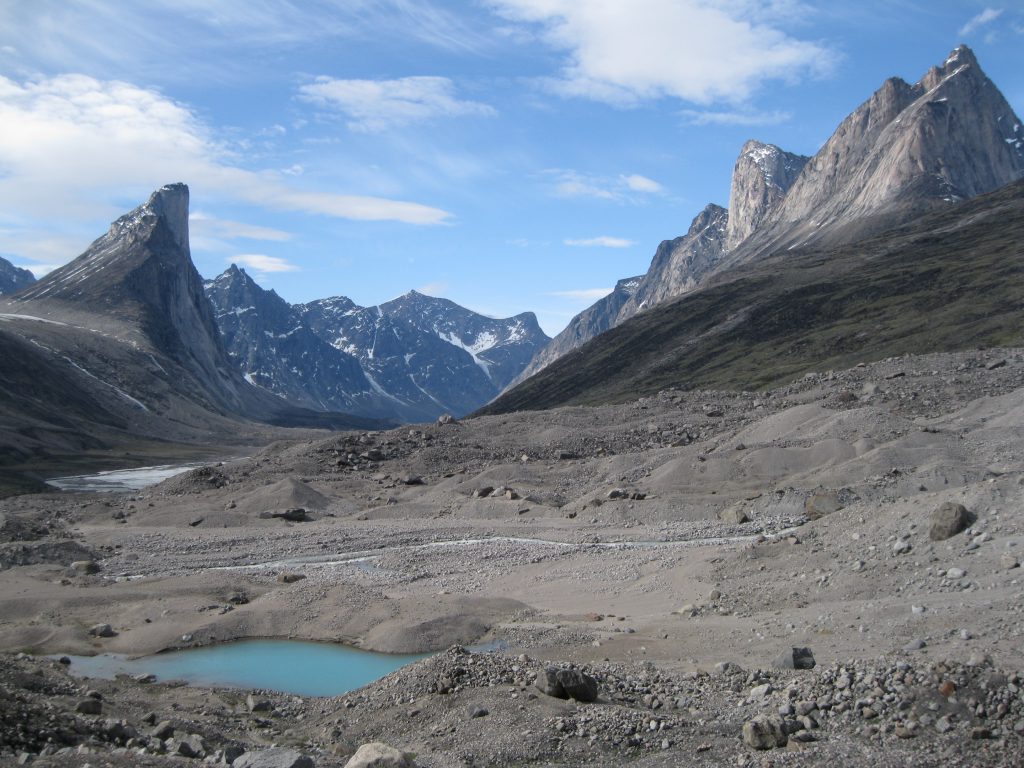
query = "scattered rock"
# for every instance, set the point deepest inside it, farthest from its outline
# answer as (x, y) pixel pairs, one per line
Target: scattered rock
(948, 520)
(734, 515)
(280, 757)
(257, 704)
(765, 732)
(822, 503)
(102, 630)
(292, 515)
(89, 707)
(475, 710)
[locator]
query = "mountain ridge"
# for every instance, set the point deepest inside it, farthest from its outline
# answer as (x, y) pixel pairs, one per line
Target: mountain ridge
(906, 150)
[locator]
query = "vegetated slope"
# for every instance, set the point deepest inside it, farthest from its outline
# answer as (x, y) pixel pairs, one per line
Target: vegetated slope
(951, 280)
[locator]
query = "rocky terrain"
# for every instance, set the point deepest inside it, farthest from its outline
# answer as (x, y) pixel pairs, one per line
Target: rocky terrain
(662, 563)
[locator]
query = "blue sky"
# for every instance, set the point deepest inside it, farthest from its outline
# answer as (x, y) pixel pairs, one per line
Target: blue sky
(510, 155)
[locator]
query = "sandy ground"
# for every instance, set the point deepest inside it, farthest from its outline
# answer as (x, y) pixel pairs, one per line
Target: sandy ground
(655, 538)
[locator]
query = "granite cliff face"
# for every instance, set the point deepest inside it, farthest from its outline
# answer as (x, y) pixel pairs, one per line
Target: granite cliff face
(760, 180)
(907, 150)
(12, 278)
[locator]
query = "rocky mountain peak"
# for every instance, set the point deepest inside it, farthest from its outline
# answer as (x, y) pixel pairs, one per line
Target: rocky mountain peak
(760, 180)
(907, 149)
(13, 278)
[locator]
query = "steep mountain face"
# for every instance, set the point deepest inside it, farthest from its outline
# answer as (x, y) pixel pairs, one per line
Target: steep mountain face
(760, 180)
(12, 278)
(268, 340)
(949, 280)
(595, 319)
(680, 264)
(141, 272)
(425, 355)
(907, 150)
(120, 348)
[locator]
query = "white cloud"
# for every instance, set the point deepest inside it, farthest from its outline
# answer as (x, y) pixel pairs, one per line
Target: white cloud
(603, 241)
(698, 117)
(625, 51)
(80, 148)
(435, 288)
(572, 184)
(569, 183)
(377, 105)
(205, 225)
(637, 183)
(987, 16)
(262, 263)
(589, 295)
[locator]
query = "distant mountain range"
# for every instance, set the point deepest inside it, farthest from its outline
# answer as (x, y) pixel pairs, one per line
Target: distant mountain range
(906, 151)
(410, 359)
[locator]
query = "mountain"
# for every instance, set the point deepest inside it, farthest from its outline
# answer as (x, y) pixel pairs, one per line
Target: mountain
(949, 280)
(907, 150)
(120, 348)
(12, 278)
(269, 341)
(427, 355)
(410, 359)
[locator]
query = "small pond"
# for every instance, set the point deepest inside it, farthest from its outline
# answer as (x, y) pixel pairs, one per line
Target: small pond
(291, 666)
(120, 479)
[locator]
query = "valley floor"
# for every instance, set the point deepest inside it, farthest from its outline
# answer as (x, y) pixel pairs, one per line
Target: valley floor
(674, 548)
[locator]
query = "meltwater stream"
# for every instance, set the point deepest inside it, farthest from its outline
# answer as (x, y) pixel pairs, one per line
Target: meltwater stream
(120, 479)
(291, 666)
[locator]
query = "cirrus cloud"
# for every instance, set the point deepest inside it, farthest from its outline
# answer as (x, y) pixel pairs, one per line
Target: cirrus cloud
(377, 105)
(602, 241)
(259, 262)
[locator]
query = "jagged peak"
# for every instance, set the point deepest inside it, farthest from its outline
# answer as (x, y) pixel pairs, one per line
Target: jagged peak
(169, 203)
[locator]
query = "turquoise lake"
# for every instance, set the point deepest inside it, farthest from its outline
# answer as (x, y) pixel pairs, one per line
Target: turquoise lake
(290, 666)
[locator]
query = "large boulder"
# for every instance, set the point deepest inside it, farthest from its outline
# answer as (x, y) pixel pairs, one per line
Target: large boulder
(948, 520)
(567, 683)
(379, 755)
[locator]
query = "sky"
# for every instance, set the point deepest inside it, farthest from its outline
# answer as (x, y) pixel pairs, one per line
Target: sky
(510, 155)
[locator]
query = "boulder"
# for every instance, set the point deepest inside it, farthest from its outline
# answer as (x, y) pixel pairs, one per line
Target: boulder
(765, 732)
(795, 658)
(275, 757)
(379, 755)
(734, 515)
(89, 707)
(102, 630)
(948, 520)
(290, 578)
(567, 683)
(85, 566)
(822, 503)
(292, 515)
